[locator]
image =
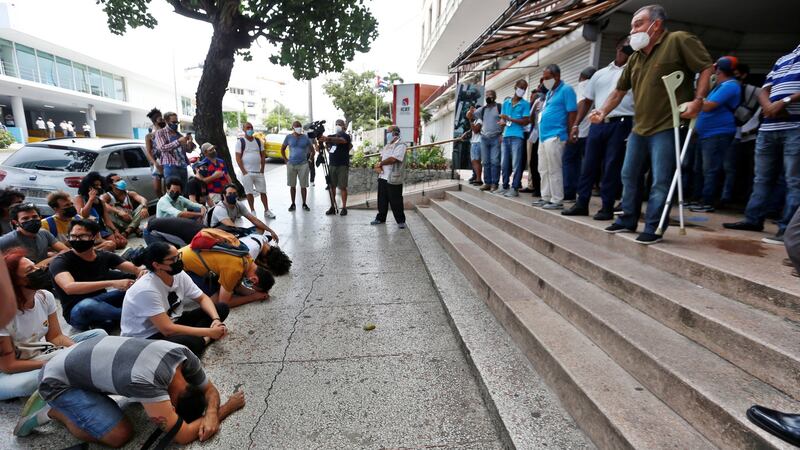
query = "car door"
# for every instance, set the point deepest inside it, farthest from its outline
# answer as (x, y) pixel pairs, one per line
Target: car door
(137, 172)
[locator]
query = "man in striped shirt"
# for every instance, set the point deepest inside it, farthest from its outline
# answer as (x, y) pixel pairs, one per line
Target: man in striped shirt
(777, 145)
(167, 378)
(173, 148)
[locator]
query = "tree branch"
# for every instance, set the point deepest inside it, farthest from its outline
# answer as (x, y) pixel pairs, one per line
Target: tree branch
(186, 11)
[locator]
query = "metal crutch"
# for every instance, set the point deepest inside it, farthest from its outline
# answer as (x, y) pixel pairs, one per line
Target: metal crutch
(672, 82)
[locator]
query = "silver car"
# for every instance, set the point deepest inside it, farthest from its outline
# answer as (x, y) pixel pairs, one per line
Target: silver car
(40, 168)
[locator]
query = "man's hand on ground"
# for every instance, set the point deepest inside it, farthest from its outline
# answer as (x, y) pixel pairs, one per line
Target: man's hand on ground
(209, 426)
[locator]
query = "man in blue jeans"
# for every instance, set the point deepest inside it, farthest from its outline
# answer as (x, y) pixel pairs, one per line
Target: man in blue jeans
(778, 143)
(657, 52)
(514, 116)
(91, 283)
(490, 131)
(172, 148)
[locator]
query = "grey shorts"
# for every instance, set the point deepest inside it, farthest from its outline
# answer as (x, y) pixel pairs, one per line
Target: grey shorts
(295, 172)
(339, 176)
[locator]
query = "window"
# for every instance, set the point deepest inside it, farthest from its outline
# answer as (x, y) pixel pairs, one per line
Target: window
(81, 77)
(119, 88)
(53, 158)
(186, 106)
(65, 76)
(108, 85)
(26, 58)
(47, 68)
(115, 161)
(134, 157)
(95, 81)
(7, 66)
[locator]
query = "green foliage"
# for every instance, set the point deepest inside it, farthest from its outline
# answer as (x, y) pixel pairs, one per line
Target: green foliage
(231, 119)
(425, 115)
(6, 139)
(358, 160)
(355, 94)
(310, 37)
(427, 158)
(281, 118)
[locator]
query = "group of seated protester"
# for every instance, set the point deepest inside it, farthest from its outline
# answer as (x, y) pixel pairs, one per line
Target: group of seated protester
(169, 301)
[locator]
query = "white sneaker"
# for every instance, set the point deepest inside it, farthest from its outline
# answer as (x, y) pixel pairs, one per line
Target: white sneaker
(269, 214)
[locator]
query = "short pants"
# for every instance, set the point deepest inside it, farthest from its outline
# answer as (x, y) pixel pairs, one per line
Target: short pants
(254, 183)
(475, 151)
(339, 176)
(92, 412)
(295, 172)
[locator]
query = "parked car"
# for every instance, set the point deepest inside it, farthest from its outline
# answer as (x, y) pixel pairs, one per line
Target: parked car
(37, 169)
(272, 144)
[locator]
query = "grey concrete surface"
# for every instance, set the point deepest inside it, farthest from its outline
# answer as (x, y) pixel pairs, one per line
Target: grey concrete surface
(313, 377)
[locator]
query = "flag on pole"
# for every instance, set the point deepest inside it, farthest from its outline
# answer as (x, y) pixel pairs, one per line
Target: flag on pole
(381, 84)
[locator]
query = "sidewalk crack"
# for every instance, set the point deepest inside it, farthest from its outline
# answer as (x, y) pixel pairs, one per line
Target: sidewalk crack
(285, 352)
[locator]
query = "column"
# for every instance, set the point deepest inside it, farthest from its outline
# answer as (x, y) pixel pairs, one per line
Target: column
(90, 118)
(18, 111)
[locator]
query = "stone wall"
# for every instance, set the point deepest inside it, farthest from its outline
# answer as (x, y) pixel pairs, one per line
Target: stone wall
(364, 179)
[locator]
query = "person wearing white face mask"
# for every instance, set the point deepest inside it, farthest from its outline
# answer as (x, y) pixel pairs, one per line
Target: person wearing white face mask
(250, 158)
(339, 146)
(515, 115)
(297, 163)
(573, 151)
(390, 179)
(657, 52)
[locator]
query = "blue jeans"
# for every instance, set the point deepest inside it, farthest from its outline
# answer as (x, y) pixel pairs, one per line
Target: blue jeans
(92, 412)
(177, 172)
(103, 311)
(659, 149)
(712, 154)
(773, 149)
(490, 157)
(23, 384)
(729, 167)
(475, 151)
(605, 147)
(512, 160)
(571, 167)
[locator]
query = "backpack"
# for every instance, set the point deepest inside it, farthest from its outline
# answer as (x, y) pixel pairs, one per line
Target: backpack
(484, 108)
(748, 105)
(213, 239)
(243, 144)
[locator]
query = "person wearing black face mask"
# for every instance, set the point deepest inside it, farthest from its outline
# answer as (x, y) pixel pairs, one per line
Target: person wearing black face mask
(40, 244)
(229, 210)
(153, 306)
(214, 173)
(172, 148)
(34, 335)
(173, 204)
(65, 212)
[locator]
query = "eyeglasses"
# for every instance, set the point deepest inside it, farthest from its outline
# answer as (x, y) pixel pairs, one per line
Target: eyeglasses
(81, 237)
(172, 259)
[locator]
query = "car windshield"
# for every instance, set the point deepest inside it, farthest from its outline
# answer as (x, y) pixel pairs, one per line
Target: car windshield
(53, 158)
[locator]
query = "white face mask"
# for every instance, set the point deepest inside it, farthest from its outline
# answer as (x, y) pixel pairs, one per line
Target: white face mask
(298, 130)
(519, 92)
(338, 129)
(641, 39)
(549, 84)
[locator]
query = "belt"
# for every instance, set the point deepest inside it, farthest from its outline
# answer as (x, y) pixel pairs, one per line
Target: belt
(617, 119)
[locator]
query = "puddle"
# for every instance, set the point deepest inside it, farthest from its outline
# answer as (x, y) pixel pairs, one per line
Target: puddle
(747, 247)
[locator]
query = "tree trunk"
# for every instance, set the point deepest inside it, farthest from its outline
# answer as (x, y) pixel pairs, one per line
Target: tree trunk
(208, 120)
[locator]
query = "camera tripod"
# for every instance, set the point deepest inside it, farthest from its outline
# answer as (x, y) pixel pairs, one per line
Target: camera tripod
(322, 159)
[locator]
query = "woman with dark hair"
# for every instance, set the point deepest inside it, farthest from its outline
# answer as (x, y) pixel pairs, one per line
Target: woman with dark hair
(34, 335)
(90, 205)
(8, 197)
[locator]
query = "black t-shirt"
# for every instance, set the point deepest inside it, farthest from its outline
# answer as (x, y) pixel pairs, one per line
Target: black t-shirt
(341, 157)
(101, 269)
(197, 188)
(185, 229)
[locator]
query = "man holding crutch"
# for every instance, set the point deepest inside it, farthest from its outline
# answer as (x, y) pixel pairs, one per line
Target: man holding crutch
(657, 52)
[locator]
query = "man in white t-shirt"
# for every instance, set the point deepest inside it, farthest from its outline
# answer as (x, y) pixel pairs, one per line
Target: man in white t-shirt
(154, 306)
(51, 129)
(250, 157)
(64, 128)
(40, 124)
(390, 180)
(230, 209)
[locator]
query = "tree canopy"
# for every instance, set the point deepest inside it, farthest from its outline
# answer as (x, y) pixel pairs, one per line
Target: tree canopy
(355, 94)
(281, 118)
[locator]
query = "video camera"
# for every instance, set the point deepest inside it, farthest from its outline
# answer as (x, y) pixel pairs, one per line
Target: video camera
(316, 129)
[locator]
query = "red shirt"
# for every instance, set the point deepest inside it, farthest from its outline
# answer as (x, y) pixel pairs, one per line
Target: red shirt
(216, 186)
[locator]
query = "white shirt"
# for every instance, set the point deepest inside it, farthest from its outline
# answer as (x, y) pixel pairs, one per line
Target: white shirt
(63, 126)
(149, 297)
(396, 150)
(603, 84)
(87, 128)
(254, 243)
(32, 325)
(40, 124)
(70, 127)
(51, 125)
(222, 210)
(476, 137)
(251, 157)
(583, 127)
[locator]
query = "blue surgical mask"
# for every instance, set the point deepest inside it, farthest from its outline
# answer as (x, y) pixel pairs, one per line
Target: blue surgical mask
(121, 185)
(249, 132)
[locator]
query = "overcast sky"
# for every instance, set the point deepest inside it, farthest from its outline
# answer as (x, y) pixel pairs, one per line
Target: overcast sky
(81, 25)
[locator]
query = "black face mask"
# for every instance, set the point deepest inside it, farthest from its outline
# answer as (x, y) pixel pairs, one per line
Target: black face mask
(174, 195)
(70, 212)
(176, 267)
(81, 246)
(489, 100)
(31, 226)
(39, 279)
(627, 49)
(161, 124)
(231, 198)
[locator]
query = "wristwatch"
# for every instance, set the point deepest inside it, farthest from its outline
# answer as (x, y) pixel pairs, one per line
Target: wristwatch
(787, 99)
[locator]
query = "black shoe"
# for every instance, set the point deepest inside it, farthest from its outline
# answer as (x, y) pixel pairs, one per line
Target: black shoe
(525, 190)
(471, 179)
(648, 238)
(744, 225)
(604, 214)
(576, 210)
(618, 210)
(293, 207)
(343, 212)
(536, 193)
(330, 212)
(785, 426)
(702, 208)
(617, 228)
(306, 208)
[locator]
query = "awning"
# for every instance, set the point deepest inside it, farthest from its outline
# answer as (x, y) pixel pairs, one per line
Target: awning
(530, 25)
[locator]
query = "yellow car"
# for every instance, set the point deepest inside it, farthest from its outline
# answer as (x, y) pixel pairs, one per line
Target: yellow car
(272, 144)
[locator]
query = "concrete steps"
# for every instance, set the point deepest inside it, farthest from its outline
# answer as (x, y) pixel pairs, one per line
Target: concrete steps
(596, 320)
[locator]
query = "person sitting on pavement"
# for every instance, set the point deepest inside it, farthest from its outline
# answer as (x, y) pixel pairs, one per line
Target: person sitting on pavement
(126, 208)
(40, 244)
(173, 204)
(297, 163)
(232, 274)
(65, 212)
(90, 205)
(34, 335)
(270, 257)
(167, 379)
(83, 276)
(214, 173)
(230, 209)
(196, 188)
(250, 157)
(8, 198)
(154, 305)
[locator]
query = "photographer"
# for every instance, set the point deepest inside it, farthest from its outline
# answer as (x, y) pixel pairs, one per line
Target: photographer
(297, 163)
(390, 180)
(339, 146)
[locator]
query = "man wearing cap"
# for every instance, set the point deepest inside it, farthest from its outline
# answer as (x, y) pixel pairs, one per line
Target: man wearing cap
(657, 52)
(605, 144)
(778, 144)
(715, 128)
(212, 171)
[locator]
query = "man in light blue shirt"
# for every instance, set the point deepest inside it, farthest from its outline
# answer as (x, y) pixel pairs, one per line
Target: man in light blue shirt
(173, 204)
(557, 117)
(514, 116)
(300, 147)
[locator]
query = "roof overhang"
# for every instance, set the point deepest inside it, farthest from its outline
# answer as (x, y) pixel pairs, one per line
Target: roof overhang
(528, 25)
